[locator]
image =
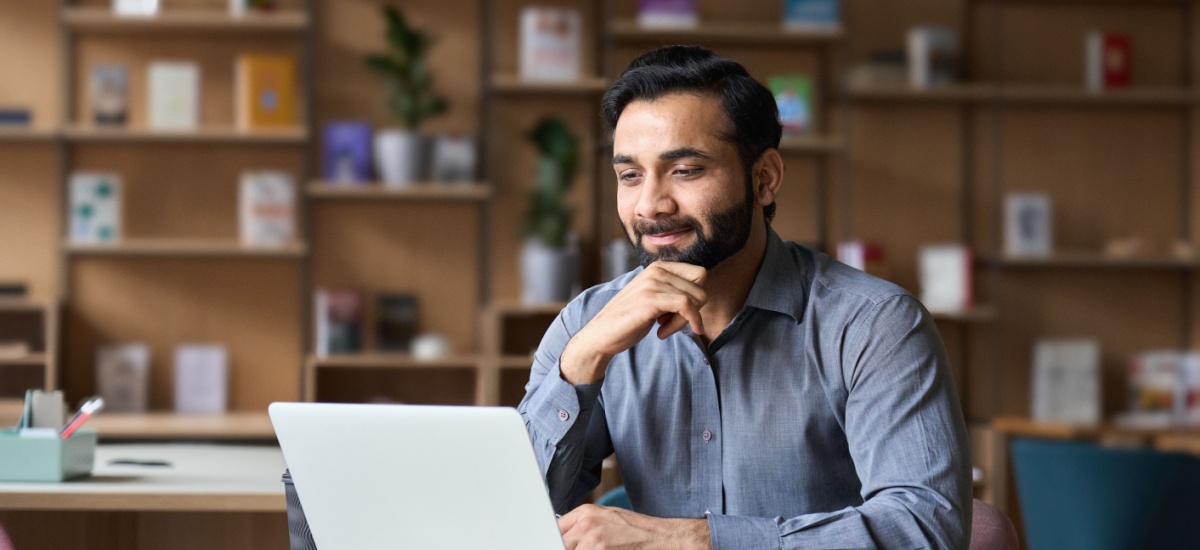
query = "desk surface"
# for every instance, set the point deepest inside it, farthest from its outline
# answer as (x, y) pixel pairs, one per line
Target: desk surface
(200, 478)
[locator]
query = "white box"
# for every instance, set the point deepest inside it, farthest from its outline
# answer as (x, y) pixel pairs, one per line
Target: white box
(135, 8)
(551, 40)
(947, 277)
(95, 205)
(1028, 225)
(932, 56)
(173, 95)
(123, 377)
(267, 208)
(1066, 381)
(201, 378)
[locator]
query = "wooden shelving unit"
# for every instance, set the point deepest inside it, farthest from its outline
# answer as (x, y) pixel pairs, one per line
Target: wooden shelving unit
(181, 248)
(726, 34)
(102, 20)
(18, 134)
(512, 84)
(1028, 95)
(205, 135)
(977, 314)
(460, 192)
(1085, 260)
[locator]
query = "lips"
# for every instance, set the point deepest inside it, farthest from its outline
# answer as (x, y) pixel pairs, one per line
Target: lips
(668, 238)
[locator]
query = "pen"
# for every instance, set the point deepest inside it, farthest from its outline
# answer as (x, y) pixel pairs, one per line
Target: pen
(85, 411)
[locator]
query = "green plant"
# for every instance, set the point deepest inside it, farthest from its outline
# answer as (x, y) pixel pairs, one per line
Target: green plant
(406, 73)
(549, 217)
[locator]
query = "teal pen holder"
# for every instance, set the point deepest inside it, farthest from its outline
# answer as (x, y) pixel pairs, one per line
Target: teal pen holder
(41, 458)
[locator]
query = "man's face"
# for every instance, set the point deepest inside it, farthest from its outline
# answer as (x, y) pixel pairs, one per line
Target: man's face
(682, 194)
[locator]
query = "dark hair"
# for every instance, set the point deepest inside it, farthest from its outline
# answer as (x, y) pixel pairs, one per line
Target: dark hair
(749, 106)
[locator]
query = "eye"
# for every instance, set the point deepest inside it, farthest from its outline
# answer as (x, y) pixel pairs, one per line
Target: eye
(688, 173)
(629, 177)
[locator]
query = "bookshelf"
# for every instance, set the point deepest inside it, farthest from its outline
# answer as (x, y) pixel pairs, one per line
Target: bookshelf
(735, 33)
(419, 192)
(212, 20)
(215, 135)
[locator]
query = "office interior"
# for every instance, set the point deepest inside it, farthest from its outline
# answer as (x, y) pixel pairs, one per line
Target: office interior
(1034, 118)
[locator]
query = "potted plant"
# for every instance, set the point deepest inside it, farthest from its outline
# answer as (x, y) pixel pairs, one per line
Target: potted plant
(550, 255)
(399, 151)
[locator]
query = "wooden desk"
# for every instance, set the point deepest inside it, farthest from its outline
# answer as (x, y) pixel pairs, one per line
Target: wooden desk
(211, 496)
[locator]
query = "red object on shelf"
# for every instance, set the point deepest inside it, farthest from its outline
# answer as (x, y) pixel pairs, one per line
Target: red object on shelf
(1110, 60)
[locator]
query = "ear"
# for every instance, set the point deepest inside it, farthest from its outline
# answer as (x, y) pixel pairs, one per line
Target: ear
(768, 176)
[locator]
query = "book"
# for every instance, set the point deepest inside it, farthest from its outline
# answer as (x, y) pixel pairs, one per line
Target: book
(1066, 381)
(266, 91)
(806, 15)
(395, 321)
(1164, 387)
(346, 151)
(201, 378)
(551, 40)
(95, 205)
(339, 319)
(453, 158)
(946, 277)
(932, 56)
(864, 256)
(135, 8)
(794, 98)
(15, 116)
(123, 377)
(239, 8)
(1028, 228)
(1108, 60)
(668, 14)
(109, 94)
(267, 208)
(173, 95)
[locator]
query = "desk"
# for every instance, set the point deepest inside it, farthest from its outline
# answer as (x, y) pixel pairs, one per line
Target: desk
(212, 496)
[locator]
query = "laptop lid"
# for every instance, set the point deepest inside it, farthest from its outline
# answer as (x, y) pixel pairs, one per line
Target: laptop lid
(422, 477)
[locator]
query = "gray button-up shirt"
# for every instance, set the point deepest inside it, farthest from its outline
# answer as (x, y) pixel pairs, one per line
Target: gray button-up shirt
(824, 416)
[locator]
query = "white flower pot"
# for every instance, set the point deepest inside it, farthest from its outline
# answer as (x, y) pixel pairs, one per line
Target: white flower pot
(399, 157)
(547, 274)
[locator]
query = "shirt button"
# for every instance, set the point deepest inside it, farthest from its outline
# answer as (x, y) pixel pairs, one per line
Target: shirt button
(707, 435)
(564, 415)
(705, 360)
(708, 512)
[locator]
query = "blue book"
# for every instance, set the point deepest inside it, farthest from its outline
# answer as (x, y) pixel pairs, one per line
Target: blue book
(811, 14)
(15, 117)
(346, 152)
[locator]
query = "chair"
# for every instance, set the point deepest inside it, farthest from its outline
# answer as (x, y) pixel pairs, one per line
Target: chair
(990, 528)
(5, 542)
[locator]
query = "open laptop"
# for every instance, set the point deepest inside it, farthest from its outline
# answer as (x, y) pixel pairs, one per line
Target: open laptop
(419, 477)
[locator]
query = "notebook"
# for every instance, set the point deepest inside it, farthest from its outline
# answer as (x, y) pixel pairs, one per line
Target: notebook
(409, 476)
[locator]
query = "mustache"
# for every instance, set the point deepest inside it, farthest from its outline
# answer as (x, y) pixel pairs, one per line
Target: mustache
(666, 225)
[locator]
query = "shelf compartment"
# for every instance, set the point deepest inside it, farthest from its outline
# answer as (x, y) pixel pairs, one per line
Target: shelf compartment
(185, 248)
(213, 134)
(1086, 260)
(815, 145)
(172, 425)
(379, 360)
(19, 134)
(753, 34)
(102, 20)
(977, 314)
(513, 84)
(516, 362)
(1027, 95)
(27, 360)
(956, 93)
(426, 191)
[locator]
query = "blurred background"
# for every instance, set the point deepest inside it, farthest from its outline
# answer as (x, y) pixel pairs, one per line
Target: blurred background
(210, 205)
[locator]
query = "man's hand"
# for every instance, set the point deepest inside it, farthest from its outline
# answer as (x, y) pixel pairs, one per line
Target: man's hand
(591, 527)
(668, 292)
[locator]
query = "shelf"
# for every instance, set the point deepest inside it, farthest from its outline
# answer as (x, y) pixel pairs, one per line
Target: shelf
(24, 134)
(1082, 260)
(23, 305)
(1026, 94)
(209, 135)
(977, 314)
(814, 145)
(515, 309)
(102, 20)
(170, 425)
(512, 84)
(374, 191)
(183, 248)
(379, 360)
(31, 359)
(516, 361)
(750, 34)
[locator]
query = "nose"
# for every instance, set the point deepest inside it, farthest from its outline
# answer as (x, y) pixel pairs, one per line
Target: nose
(654, 199)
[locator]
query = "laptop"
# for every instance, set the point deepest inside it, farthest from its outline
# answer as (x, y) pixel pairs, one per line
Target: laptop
(419, 477)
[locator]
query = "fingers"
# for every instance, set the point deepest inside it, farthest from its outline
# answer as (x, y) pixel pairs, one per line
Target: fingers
(670, 284)
(693, 273)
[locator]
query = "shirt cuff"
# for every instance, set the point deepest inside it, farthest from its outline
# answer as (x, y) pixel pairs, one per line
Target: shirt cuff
(731, 532)
(559, 405)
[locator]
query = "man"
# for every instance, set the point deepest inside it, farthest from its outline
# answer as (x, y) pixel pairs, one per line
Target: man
(784, 400)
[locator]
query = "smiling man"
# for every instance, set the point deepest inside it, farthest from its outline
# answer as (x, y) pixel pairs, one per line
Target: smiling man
(784, 400)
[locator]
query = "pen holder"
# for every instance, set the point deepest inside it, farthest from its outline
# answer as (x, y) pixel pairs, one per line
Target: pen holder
(37, 457)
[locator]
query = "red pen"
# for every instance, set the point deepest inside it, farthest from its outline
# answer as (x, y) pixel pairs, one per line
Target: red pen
(85, 411)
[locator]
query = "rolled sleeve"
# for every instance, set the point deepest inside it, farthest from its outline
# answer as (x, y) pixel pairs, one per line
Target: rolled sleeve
(556, 405)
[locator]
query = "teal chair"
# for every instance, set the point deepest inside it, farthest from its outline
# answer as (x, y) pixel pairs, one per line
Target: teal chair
(617, 498)
(1077, 495)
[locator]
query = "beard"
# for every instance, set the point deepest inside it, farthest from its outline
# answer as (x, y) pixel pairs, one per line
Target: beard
(728, 232)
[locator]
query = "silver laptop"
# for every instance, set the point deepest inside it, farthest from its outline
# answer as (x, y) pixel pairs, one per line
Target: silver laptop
(419, 477)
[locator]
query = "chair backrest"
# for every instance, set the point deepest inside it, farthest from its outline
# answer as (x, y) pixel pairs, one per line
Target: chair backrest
(991, 529)
(5, 542)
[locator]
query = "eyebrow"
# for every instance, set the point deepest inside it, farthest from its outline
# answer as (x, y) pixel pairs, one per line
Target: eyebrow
(673, 154)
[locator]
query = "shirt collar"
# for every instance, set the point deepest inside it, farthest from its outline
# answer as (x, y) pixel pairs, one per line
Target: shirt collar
(782, 281)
